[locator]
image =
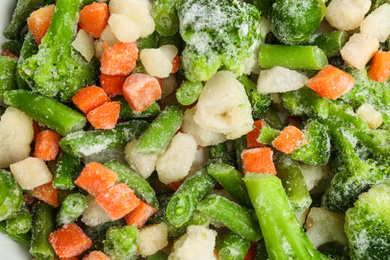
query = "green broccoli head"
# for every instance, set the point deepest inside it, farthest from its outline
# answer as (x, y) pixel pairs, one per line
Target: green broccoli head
(367, 224)
(58, 70)
(220, 33)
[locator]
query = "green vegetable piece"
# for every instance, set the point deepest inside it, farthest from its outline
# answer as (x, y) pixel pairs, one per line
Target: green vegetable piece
(7, 79)
(83, 143)
(160, 132)
(136, 183)
(283, 235)
(331, 43)
(272, 119)
(24, 239)
(11, 195)
(71, 208)
(148, 42)
(218, 150)
(294, 21)
(29, 48)
(127, 112)
(158, 256)
(19, 18)
(46, 110)
(121, 242)
(234, 247)
(232, 182)
(13, 46)
(264, 6)
(175, 40)
(98, 233)
(238, 219)
(267, 135)
(295, 57)
(188, 92)
(42, 226)
(20, 222)
(165, 17)
(241, 145)
(66, 169)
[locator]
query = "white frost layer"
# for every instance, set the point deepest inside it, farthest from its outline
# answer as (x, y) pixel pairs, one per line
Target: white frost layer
(346, 14)
(31, 173)
(377, 24)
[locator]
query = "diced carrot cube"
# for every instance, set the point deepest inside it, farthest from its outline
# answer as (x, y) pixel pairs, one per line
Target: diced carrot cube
(70, 258)
(47, 145)
(39, 22)
(175, 64)
(258, 160)
(112, 84)
(69, 241)
(93, 18)
(118, 201)
(140, 214)
(119, 59)
(89, 98)
(47, 193)
(175, 185)
(96, 179)
(105, 116)
(96, 255)
(288, 140)
(331, 82)
(380, 68)
(251, 137)
(9, 54)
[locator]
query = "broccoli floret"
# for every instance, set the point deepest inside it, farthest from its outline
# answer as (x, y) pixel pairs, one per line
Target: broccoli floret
(217, 33)
(58, 70)
(367, 224)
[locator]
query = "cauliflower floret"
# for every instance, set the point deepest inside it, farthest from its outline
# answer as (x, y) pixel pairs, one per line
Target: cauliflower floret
(94, 214)
(143, 164)
(152, 238)
(158, 62)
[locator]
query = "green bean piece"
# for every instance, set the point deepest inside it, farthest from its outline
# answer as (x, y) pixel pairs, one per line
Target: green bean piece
(13, 46)
(188, 92)
(234, 247)
(71, 208)
(218, 150)
(46, 110)
(231, 180)
(267, 135)
(165, 17)
(237, 218)
(331, 43)
(121, 242)
(20, 223)
(241, 145)
(175, 40)
(19, 18)
(98, 233)
(102, 157)
(7, 79)
(66, 169)
(131, 178)
(42, 226)
(83, 143)
(149, 42)
(292, 57)
(160, 132)
(272, 119)
(29, 48)
(293, 181)
(160, 255)
(127, 112)
(24, 239)
(11, 195)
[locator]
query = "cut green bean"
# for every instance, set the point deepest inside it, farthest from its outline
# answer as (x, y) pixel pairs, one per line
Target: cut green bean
(160, 255)
(11, 195)
(19, 18)
(29, 48)
(46, 110)
(66, 169)
(218, 150)
(149, 42)
(160, 132)
(42, 226)
(232, 181)
(234, 247)
(272, 119)
(188, 92)
(238, 219)
(121, 242)
(71, 208)
(20, 222)
(175, 40)
(165, 17)
(102, 157)
(24, 239)
(127, 112)
(292, 57)
(86, 143)
(139, 185)
(241, 145)
(267, 135)
(7, 72)
(13, 46)
(331, 43)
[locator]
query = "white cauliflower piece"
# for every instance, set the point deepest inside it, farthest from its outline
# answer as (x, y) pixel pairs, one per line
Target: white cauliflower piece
(158, 62)
(143, 164)
(31, 173)
(152, 239)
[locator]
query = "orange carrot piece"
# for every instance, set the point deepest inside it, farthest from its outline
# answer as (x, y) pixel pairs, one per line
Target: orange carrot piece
(140, 214)
(96, 179)
(175, 185)
(294, 120)
(96, 255)
(89, 98)
(70, 258)
(141, 90)
(118, 201)
(380, 68)
(331, 82)
(175, 64)
(112, 84)
(47, 193)
(93, 18)
(250, 255)
(288, 140)
(47, 145)
(258, 160)
(251, 137)
(105, 116)
(69, 241)
(9, 54)
(119, 59)
(39, 22)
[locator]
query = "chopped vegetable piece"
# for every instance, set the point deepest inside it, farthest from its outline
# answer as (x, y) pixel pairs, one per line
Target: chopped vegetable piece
(20, 222)
(289, 139)
(251, 137)
(71, 208)
(93, 18)
(47, 145)
(67, 167)
(234, 247)
(189, 92)
(104, 116)
(7, 80)
(368, 113)
(39, 22)
(175, 64)
(380, 67)
(89, 98)
(140, 214)
(96, 255)
(347, 14)
(11, 195)
(47, 193)
(152, 238)
(121, 242)
(119, 59)
(258, 160)
(112, 84)
(331, 43)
